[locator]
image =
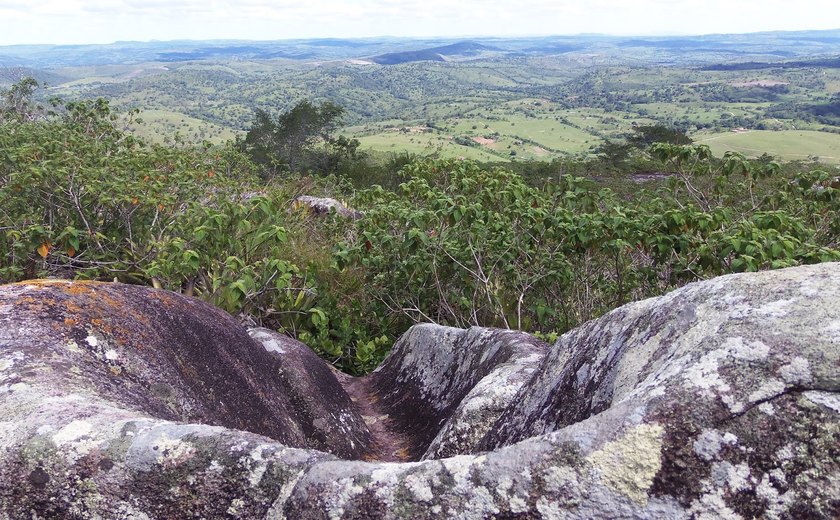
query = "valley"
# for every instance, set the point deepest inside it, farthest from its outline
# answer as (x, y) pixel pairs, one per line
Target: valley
(493, 100)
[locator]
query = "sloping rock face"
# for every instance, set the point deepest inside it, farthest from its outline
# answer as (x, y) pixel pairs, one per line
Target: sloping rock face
(442, 389)
(718, 400)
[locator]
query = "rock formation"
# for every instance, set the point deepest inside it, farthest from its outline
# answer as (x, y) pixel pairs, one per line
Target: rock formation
(325, 205)
(718, 400)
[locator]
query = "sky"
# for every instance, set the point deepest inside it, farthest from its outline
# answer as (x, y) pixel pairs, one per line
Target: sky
(106, 21)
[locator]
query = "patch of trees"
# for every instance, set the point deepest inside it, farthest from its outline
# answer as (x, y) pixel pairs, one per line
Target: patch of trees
(645, 135)
(827, 113)
(826, 63)
(299, 140)
(749, 94)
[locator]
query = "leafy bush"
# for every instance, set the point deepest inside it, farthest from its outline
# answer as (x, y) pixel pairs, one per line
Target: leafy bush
(79, 195)
(455, 243)
(464, 246)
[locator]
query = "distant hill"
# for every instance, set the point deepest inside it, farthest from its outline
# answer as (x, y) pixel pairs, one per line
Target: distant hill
(467, 48)
(233, 52)
(692, 50)
(11, 75)
(11, 61)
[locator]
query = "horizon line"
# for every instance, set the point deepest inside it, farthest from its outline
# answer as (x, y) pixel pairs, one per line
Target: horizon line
(427, 37)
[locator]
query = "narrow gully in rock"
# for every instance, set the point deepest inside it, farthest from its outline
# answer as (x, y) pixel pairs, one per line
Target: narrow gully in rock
(390, 445)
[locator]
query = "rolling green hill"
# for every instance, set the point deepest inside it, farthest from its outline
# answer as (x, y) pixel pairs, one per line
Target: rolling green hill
(495, 98)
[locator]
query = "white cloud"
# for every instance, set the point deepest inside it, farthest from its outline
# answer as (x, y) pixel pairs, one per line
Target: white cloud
(100, 21)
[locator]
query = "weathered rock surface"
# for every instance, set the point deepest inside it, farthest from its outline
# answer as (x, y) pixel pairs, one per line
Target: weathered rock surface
(718, 400)
(443, 388)
(325, 205)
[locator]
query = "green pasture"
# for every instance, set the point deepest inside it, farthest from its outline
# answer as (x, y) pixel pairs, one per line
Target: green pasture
(788, 145)
(423, 144)
(156, 125)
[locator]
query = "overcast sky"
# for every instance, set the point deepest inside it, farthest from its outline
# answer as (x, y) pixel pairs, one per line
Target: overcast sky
(106, 21)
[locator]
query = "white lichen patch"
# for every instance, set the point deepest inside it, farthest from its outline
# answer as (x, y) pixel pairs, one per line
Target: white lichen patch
(504, 485)
(629, 464)
(767, 408)
(704, 373)
(14, 387)
(828, 399)
(269, 343)
(797, 372)
(8, 362)
(419, 487)
(708, 444)
(343, 490)
(240, 447)
(752, 351)
(779, 476)
(712, 506)
(72, 432)
(777, 504)
(44, 429)
(786, 452)
(111, 354)
(559, 479)
(582, 375)
(282, 496)
(504, 489)
(235, 508)
(769, 389)
(734, 405)
(256, 464)
(725, 474)
(548, 509)
(172, 451)
(9, 430)
(480, 503)
(832, 330)
(92, 340)
(776, 309)
(459, 467)
(518, 505)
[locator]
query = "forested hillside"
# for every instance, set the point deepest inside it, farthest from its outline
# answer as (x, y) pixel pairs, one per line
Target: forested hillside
(488, 99)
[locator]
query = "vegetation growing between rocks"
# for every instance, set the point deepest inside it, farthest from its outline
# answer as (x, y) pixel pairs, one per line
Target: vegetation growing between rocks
(456, 243)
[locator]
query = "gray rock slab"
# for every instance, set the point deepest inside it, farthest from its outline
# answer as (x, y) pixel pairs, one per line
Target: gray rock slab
(718, 400)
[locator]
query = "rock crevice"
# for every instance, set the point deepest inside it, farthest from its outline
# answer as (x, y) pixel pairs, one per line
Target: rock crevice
(719, 399)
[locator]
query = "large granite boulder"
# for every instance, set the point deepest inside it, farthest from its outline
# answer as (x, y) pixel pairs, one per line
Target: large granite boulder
(718, 400)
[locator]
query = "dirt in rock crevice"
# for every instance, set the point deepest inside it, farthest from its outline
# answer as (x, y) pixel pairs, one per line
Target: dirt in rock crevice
(390, 444)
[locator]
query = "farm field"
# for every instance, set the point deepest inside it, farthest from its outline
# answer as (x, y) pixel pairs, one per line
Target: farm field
(159, 125)
(512, 101)
(790, 145)
(423, 144)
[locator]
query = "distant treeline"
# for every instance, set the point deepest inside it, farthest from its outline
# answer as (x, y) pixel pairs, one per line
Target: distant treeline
(826, 63)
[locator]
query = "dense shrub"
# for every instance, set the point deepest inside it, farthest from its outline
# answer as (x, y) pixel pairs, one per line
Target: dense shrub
(465, 246)
(455, 243)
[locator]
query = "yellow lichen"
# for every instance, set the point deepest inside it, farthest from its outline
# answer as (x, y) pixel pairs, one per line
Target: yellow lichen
(401, 454)
(629, 464)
